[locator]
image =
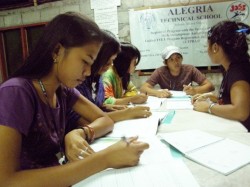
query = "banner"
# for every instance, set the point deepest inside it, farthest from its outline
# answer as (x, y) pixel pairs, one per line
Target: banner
(151, 30)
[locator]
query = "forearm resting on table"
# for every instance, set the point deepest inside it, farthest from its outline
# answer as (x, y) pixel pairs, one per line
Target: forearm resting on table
(123, 101)
(100, 126)
(149, 91)
(120, 115)
(229, 111)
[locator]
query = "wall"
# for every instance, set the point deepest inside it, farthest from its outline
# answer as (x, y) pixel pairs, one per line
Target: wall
(46, 12)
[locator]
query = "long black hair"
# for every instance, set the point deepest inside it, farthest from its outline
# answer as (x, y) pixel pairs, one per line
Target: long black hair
(110, 46)
(232, 37)
(123, 61)
(70, 30)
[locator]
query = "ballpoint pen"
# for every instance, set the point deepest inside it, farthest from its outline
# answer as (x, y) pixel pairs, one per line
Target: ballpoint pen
(159, 121)
(158, 125)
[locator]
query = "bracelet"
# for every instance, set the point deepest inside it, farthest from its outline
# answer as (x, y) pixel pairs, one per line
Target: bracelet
(91, 132)
(210, 107)
(85, 133)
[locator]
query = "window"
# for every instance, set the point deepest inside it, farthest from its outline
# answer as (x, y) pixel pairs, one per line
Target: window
(13, 4)
(15, 45)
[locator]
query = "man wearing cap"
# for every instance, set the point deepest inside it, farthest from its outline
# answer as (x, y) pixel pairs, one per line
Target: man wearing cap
(176, 76)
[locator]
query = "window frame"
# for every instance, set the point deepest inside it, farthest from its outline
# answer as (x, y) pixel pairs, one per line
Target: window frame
(24, 43)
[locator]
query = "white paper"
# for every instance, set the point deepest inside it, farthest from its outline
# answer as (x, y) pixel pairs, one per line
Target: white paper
(154, 169)
(179, 94)
(107, 18)
(153, 102)
(176, 104)
(142, 127)
(96, 4)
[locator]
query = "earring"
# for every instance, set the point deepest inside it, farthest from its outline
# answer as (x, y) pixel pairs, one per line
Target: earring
(54, 60)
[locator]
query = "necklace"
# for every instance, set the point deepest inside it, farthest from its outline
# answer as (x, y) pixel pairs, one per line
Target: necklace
(60, 155)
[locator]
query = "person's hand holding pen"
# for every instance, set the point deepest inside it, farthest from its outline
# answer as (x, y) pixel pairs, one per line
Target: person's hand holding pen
(124, 153)
(188, 89)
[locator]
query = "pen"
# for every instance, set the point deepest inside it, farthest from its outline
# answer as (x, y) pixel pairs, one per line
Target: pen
(159, 123)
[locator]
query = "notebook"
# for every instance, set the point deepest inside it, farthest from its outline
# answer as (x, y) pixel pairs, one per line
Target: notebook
(156, 168)
(217, 153)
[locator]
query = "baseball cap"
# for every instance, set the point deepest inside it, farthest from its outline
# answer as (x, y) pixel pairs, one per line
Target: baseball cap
(169, 50)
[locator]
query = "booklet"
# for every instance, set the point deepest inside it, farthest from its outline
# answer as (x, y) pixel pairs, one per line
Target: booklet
(220, 154)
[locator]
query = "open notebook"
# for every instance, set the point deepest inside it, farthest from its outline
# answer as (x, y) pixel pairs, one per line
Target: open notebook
(217, 153)
(157, 168)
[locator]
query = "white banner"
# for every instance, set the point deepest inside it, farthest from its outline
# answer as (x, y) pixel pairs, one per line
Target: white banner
(152, 30)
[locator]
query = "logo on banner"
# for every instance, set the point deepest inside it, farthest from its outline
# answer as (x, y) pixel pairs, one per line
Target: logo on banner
(238, 11)
(148, 20)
